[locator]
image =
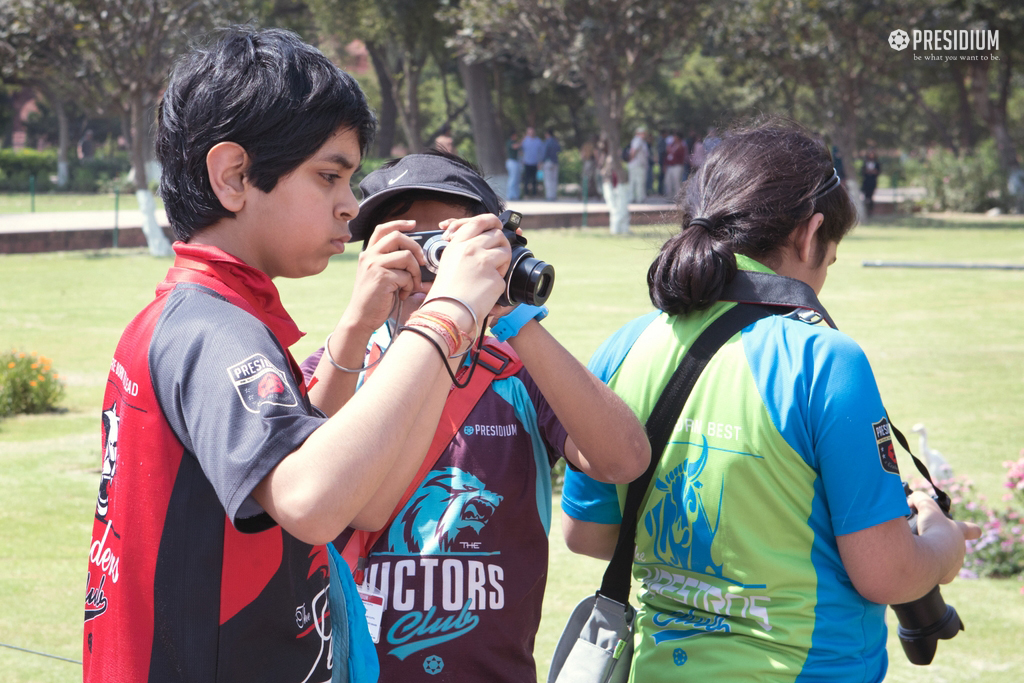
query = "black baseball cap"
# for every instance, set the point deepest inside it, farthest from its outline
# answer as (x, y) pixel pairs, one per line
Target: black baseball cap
(432, 172)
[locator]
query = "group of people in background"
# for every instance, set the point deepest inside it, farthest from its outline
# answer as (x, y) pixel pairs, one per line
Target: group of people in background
(529, 159)
(657, 166)
(660, 164)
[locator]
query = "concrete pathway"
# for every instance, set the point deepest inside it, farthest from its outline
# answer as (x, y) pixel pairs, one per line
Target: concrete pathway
(69, 230)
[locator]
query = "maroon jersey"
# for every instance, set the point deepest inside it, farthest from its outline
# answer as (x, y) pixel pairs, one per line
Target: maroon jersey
(189, 579)
(462, 568)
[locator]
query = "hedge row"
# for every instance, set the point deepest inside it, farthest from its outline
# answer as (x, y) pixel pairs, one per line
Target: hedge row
(85, 175)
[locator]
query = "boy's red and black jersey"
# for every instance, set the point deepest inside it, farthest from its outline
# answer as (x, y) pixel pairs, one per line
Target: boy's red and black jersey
(189, 579)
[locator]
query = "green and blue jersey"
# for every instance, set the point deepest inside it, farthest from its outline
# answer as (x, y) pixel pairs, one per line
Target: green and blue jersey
(782, 446)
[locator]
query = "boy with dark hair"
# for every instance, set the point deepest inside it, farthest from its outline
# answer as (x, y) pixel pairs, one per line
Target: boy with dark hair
(223, 476)
(460, 569)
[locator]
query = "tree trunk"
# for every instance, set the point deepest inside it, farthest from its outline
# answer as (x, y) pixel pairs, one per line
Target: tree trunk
(407, 96)
(845, 134)
(609, 106)
(490, 150)
(964, 113)
(998, 120)
(63, 141)
(155, 238)
(994, 113)
(388, 116)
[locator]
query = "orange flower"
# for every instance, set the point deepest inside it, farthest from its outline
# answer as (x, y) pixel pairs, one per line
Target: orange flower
(32, 383)
(34, 366)
(11, 364)
(41, 378)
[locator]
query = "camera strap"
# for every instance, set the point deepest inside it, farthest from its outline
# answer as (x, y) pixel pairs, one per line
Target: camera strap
(754, 287)
(769, 289)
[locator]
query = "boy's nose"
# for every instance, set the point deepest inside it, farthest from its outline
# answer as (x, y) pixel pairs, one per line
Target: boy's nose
(347, 207)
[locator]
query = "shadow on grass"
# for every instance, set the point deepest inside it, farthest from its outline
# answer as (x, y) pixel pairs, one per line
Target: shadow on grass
(111, 253)
(956, 221)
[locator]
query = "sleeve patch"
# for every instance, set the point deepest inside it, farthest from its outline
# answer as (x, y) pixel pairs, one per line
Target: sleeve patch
(258, 382)
(886, 452)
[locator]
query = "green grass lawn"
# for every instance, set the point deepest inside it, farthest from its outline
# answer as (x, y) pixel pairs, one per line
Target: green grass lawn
(54, 201)
(947, 347)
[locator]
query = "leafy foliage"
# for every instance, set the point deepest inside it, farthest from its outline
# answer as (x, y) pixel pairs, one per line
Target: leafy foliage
(28, 384)
(964, 182)
(87, 175)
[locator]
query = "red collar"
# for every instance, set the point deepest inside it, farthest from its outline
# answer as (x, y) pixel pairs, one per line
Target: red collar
(251, 284)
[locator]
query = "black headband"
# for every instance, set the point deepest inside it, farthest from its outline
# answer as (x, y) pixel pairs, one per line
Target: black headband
(832, 183)
(703, 222)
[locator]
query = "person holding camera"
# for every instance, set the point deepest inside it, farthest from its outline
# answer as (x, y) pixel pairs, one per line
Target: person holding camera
(223, 477)
(453, 573)
(774, 532)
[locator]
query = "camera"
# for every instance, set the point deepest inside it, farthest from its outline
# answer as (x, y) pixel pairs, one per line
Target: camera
(926, 620)
(528, 280)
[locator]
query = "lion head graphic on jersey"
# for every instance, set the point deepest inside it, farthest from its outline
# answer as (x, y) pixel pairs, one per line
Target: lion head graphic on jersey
(110, 427)
(450, 504)
(679, 524)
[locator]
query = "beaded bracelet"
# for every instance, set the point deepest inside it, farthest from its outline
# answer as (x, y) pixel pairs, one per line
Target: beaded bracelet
(472, 313)
(423, 322)
(421, 331)
(452, 333)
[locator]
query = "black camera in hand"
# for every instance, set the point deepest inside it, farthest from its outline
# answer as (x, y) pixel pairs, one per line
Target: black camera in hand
(528, 280)
(923, 622)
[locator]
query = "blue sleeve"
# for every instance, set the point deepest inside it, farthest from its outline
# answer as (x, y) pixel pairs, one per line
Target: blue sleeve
(588, 500)
(582, 497)
(821, 395)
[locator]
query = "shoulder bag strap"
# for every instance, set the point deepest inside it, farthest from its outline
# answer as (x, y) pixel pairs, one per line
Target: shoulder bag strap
(616, 581)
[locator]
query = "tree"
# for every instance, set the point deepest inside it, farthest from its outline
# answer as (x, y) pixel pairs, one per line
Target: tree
(490, 148)
(401, 36)
(608, 46)
(117, 54)
(33, 55)
(989, 82)
(831, 52)
(128, 48)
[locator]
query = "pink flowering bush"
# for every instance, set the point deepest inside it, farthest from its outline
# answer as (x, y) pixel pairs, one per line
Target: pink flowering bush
(1015, 479)
(1000, 550)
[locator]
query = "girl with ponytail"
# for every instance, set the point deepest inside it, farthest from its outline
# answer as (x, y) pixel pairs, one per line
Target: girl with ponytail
(774, 531)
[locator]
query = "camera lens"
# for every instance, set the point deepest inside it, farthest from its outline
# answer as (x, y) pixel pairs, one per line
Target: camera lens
(922, 623)
(529, 280)
(432, 250)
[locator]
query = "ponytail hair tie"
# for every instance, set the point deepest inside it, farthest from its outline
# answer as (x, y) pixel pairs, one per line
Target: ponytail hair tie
(703, 222)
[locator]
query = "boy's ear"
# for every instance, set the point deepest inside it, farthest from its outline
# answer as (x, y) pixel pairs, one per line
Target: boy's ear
(804, 238)
(226, 163)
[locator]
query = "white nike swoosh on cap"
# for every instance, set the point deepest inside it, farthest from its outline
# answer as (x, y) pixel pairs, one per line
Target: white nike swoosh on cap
(397, 177)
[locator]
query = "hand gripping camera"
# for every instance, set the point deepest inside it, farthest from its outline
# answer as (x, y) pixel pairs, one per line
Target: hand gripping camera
(527, 281)
(925, 620)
